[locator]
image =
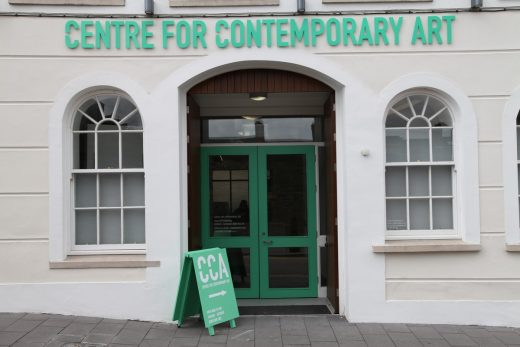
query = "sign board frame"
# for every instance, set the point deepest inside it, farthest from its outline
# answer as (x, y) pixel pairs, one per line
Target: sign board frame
(206, 288)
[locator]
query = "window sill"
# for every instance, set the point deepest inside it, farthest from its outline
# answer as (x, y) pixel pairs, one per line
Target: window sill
(217, 3)
(425, 246)
(103, 261)
(69, 2)
(513, 247)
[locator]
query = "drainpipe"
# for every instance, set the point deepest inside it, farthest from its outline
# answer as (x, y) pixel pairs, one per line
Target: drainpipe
(148, 7)
(300, 6)
(476, 5)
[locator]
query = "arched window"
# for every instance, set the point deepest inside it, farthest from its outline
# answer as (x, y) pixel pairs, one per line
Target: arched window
(108, 175)
(420, 184)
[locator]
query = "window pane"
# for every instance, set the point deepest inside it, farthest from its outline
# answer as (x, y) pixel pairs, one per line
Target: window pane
(418, 103)
(85, 190)
(517, 143)
(83, 123)
(134, 226)
(109, 190)
(239, 264)
(395, 145)
(395, 181)
(229, 205)
(108, 150)
(396, 214)
(133, 189)
(107, 104)
(418, 181)
(442, 213)
(288, 267)
(86, 230)
(110, 226)
(84, 151)
(132, 150)
(91, 108)
(443, 119)
(419, 214)
(419, 145)
(442, 145)
(393, 120)
(419, 122)
(433, 107)
(403, 107)
(288, 129)
(108, 125)
(286, 195)
(441, 181)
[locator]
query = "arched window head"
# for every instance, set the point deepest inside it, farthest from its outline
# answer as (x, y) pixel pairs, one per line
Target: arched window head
(108, 175)
(419, 167)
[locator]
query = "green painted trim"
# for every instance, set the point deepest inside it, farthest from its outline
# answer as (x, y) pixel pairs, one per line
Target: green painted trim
(258, 219)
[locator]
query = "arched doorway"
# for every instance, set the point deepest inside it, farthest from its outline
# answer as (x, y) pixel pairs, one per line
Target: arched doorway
(262, 180)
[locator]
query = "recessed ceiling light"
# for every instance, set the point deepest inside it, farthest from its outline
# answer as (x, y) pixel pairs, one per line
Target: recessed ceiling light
(258, 96)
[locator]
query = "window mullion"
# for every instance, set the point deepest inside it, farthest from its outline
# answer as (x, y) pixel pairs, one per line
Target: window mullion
(430, 198)
(407, 201)
(122, 209)
(97, 211)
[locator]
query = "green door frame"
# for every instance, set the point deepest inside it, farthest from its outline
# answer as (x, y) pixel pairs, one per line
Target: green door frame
(258, 241)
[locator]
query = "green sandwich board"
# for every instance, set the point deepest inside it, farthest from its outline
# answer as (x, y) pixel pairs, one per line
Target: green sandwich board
(206, 288)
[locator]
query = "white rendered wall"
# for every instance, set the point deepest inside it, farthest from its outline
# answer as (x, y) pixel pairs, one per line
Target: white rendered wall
(38, 84)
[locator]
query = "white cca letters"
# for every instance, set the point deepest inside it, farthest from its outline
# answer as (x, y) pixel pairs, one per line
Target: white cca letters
(205, 264)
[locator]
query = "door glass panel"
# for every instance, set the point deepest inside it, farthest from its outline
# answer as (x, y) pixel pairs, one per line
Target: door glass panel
(286, 195)
(229, 190)
(239, 264)
(288, 267)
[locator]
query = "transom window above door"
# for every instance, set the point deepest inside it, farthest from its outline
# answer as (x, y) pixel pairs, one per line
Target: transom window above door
(420, 168)
(261, 129)
(108, 175)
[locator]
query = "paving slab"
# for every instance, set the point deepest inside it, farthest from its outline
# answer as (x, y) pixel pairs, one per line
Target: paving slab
(39, 330)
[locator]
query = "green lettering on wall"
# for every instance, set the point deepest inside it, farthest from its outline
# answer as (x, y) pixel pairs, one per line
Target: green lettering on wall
(146, 34)
(183, 34)
(365, 34)
(237, 33)
(103, 34)
(349, 31)
(254, 33)
(380, 29)
(299, 33)
(434, 27)
(166, 33)
(317, 29)
(199, 34)
(219, 26)
(131, 33)
(281, 33)
(396, 28)
(418, 31)
(268, 31)
(86, 34)
(117, 24)
(449, 20)
(333, 32)
(69, 25)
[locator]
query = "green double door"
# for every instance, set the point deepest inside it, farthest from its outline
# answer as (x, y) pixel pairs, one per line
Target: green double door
(260, 204)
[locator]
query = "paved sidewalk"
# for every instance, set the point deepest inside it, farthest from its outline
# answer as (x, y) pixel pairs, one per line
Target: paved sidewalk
(35, 330)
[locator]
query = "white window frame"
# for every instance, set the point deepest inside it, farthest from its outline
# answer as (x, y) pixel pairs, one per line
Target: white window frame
(465, 147)
(82, 249)
(510, 171)
(427, 233)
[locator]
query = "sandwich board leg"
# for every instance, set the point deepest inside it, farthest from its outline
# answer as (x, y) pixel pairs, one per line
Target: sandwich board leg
(211, 331)
(232, 324)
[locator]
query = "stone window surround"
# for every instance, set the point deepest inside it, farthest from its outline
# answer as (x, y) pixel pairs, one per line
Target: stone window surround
(69, 2)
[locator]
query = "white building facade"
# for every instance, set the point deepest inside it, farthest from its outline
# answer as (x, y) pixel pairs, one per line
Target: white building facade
(120, 128)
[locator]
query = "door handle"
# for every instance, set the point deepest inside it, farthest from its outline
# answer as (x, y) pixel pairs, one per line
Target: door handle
(267, 242)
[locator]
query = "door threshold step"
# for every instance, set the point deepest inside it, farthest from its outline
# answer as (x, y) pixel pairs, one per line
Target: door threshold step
(283, 310)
